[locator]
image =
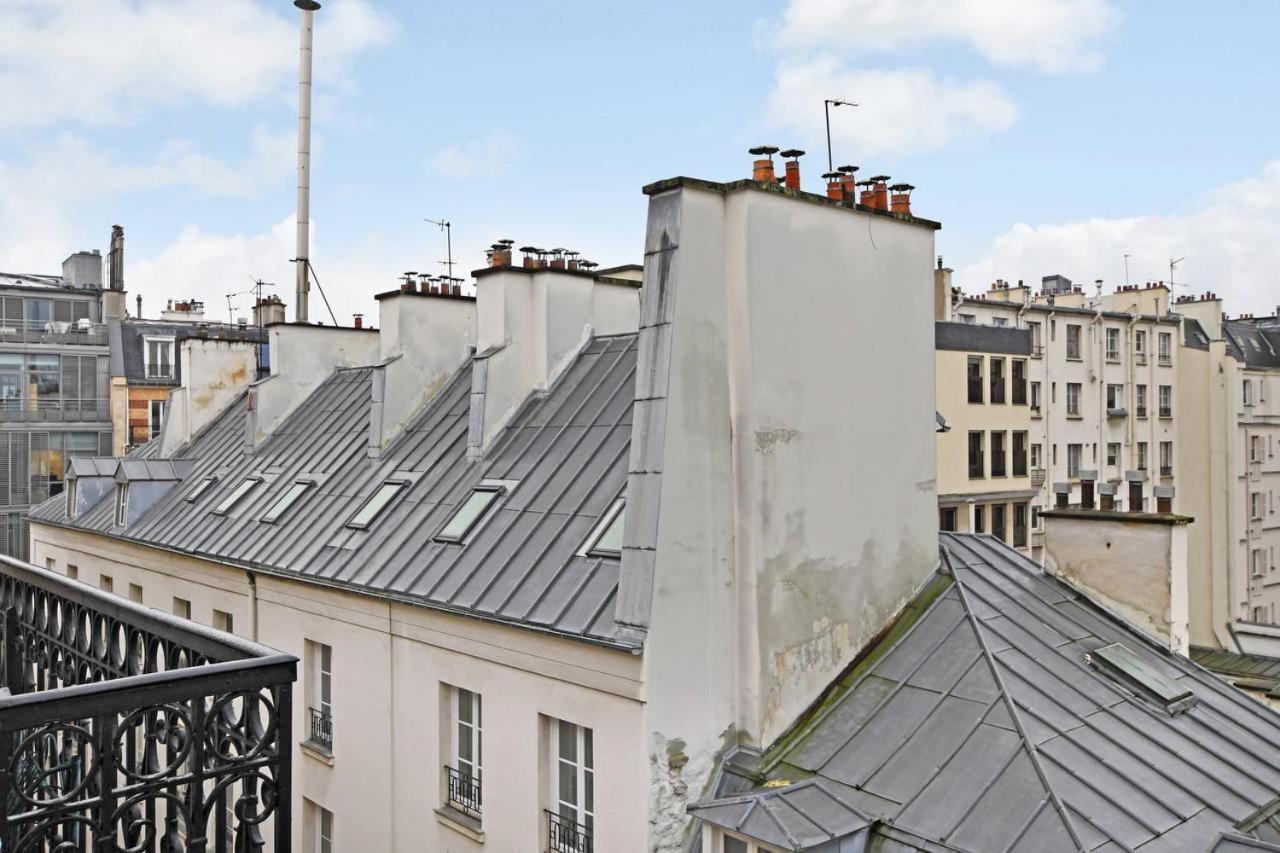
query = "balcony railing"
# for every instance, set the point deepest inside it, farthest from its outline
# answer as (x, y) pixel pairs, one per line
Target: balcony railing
(53, 332)
(1166, 470)
(321, 729)
(1037, 477)
(160, 371)
(1165, 359)
(567, 836)
(464, 792)
(55, 410)
(124, 728)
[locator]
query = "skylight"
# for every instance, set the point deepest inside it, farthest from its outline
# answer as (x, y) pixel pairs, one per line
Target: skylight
(246, 486)
(200, 489)
(1119, 663)
(606, 538)
(373, 507)
(285, 501)
(470, 512)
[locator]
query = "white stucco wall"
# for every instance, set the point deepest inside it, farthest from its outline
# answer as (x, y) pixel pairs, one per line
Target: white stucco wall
(213, 373)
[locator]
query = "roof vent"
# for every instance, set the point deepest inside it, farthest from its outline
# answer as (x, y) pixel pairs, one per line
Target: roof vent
(1121, 665)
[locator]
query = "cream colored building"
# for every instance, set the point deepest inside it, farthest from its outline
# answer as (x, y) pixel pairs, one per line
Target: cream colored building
(548, 554)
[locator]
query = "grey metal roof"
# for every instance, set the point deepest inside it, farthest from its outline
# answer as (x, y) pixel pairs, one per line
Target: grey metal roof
(794, 817)
(1257, 671)
(91, 466)
(128, 340)
(976, 337)
(567, 448)
(980, 726)
(131, 469)
(1254, 342)
(1194, 335)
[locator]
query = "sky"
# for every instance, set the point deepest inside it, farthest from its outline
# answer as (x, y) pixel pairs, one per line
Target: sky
(1048, 136)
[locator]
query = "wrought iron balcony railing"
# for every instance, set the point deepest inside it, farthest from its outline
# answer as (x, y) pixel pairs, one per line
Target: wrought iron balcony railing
(463, 792)
(321, 729)
(124, 728)
(567, 836)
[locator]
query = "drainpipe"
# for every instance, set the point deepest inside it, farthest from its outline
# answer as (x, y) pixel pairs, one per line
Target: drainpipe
(1046, 395)
(253, 605)
(1100, 329)
(1133, 384)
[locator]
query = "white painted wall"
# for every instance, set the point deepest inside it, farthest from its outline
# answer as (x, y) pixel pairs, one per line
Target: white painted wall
(213, 373)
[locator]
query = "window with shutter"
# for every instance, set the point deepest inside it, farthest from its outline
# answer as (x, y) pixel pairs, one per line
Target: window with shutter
(5, 495)
(70, 383)
(12, 311)
(19, 470)
(41, 466)
(62, 311)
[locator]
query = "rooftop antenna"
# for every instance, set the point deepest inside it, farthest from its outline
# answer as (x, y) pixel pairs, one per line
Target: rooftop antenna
(1173, 263)
(303, 262)
(447, 228)
(826, 109)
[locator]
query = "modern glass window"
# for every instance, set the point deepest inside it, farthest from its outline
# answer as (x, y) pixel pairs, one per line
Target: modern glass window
(376, 505)
(997, 380)
(1073, 341)
(286, 501)
(1018, 382)
(974, 368)
(469, 513)
(977, 465)
(606, 537)
(200, 489)
(1073, 399)
(1140, 400)
(246, 486)
(1073, 460)
(1142, 456)
(1166, 401)
(1113, 344)
(998, 468)
(573, 781)
(1019, 454)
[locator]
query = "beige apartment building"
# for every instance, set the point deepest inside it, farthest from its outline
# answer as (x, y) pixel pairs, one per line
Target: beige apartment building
(549, 553)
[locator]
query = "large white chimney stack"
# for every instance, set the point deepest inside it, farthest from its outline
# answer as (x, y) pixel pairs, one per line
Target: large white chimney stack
(302, 263)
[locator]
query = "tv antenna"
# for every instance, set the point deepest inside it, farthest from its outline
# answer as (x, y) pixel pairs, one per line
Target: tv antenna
(826, 108)
(447, 227)
(1173, 263)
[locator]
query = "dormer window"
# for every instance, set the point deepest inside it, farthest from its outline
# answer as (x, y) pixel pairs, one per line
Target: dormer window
(158, 353)
(286, 501)
(471, 512)
(122, 504)
(237, 494)
(200, 489)
(606, 537)
(377, 503)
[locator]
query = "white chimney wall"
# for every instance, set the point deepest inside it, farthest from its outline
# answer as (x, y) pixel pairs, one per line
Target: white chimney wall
(213, 373)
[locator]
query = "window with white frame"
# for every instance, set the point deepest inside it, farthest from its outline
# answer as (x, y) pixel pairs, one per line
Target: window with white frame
(1256, 450)
(606, 537)
(1140, 401)
(319, 830)
(1166, 401)
(122, 504)
(1142, 456)
(200, 489)
(1073, 342)
(1113, 343)
(1115, 396)
(1073, 399)
(472, 511)
(1256, 505)
(285, 502)
(376, 504)
(572, 813)
(463, 774)
(159, 357)
(155, 421)
(1248, 392)
(1165, 344)
(1073, 460)
(1035, 396)
(1113, 454)
(726, 842)
(1140, 342)
(237, 494)
(320, 694)
(1258, 562)
(1166, 458)
(1037, 455)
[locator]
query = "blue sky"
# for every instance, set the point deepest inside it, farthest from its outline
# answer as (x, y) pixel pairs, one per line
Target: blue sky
(1046, 135)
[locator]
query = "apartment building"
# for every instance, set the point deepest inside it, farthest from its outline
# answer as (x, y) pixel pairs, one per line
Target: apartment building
(53, 385)
(985, 462)
(541, 567)
(1102, 390)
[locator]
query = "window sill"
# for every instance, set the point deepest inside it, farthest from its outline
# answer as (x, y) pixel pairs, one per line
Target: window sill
(1075, 417)
(318, 752)
(463, 824)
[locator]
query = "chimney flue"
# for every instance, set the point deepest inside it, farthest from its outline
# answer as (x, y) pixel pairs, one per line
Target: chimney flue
(308, 8)
(139, 306)
(792, 179)
(357, 321)
(901, 202)
(762, 168)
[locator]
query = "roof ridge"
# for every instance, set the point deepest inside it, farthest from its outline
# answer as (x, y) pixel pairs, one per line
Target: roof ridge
(1014, 714)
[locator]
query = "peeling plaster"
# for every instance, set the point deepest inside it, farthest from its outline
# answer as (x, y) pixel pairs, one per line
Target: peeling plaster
(767, 440)
(671, 770)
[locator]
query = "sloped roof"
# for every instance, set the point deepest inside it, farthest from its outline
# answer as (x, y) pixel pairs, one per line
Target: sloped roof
(982, 727)
(978, 337)
(1255, 671)
(128, 343)
(567, 448)
(1254, 342)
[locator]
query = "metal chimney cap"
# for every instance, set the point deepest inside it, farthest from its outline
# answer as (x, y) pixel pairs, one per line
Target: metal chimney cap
(830, 176)
(793, 153)
(307, 5)
(759, 150)
(848, 170)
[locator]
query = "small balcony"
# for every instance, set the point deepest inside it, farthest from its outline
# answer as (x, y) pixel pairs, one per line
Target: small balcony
(122, 725)
(81, 332)
(1166, 470)
(1165, 360)
(321, 734)
(464, 793)
(1118, 413)
(1037, 477)
(91, 410)
(567, 836)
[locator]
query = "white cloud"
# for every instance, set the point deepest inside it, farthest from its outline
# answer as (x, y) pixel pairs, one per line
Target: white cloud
(901, 111)
(1047, 35)
(1230, 248)
(489, 155)
(106, 61)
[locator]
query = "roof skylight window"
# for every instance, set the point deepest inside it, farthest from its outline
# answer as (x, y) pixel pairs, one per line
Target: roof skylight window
(200, 489)
(378, 502)
(282, 505)
(246, 485)
(470, 512)
(1120, 664)
(606, 538)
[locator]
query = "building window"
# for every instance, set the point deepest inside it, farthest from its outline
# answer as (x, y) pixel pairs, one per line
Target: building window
(1018, 382)
(977, 467)
(1073, 341)
(320, 694)
(571, 820)
(1037, 346)
(1140, 401)
(72, 488)
(246, 486)
(997, 380)
(1140, 342)
(1035, 517)
(122, 504)
(1073, 399)
(1248, 392)
(1115, 397)
(1256, 507)
(1166, 401)
(975, 378)
(1142, 456)
(1166, 458)
(1165, 344)
(319, 828)
(998, 527)
(979, 518)
(463, 774)
(1037, 455)
(156, 422)
(223, 621)
(286, 501)
(1113, 344)
(377, 503)
(1073, 461)
(470, 513)
(1113, 454)
(1258, 562)
(1000, 321)
(135, 593)
(1019, 454)
(159, 358)
(1035, 396)
(968, 318)
(181, 608)
(1019, 525)
(1256, 450)
(106, 583)
(947, 519)
(200, 489)
(606, 537)
(998, 454)
(73, 572)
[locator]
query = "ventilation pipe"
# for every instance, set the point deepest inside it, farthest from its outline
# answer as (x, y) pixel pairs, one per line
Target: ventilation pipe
(302, 262)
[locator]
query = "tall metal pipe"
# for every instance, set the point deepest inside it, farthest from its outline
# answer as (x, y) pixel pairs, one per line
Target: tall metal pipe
(303, 263)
